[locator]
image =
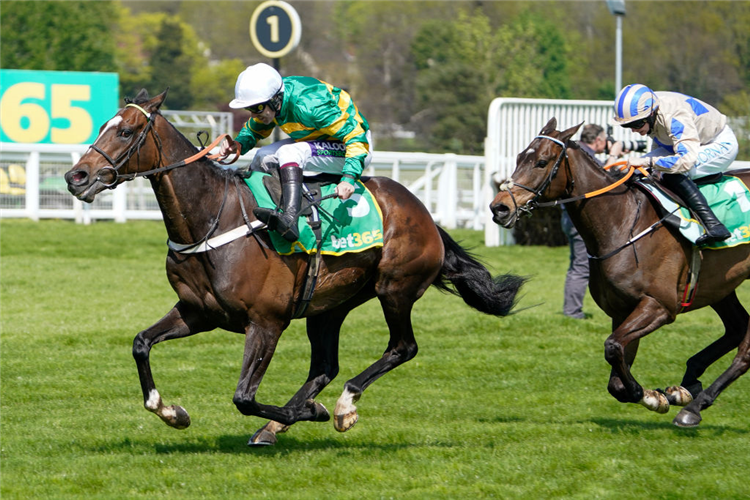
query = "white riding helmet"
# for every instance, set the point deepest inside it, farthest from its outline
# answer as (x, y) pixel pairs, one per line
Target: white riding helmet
(634, 102)
(258, 83)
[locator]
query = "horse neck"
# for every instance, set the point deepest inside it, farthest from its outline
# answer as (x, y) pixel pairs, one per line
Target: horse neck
(189, 197)
(602, 220)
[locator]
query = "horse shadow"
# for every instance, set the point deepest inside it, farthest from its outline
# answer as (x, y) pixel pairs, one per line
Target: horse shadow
(637, 427)
(236, 444)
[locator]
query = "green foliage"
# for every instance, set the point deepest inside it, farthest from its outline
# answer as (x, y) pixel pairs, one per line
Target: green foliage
(170, 65)
(464, 65)
(156, 51)
(506, 408)
(212, 87)
(58, 36)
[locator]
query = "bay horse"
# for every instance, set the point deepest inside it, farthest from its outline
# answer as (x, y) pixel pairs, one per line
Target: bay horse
(638, 284)
(246, 287)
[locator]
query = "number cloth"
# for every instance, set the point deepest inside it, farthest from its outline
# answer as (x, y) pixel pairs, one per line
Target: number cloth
(351, 225)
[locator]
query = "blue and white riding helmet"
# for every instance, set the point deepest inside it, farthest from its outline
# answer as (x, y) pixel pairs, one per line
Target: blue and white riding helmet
(635, 102)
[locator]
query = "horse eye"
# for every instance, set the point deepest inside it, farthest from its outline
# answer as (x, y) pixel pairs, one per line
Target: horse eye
(126, 132)
(540, 164)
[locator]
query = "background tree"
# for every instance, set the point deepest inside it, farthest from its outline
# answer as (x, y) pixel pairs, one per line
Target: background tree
(61, 36)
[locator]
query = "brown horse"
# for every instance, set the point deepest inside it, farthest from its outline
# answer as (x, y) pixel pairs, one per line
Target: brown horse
(639, 284)
(246, 287)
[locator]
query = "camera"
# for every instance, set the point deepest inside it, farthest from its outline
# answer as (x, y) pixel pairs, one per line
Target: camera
(635, 146)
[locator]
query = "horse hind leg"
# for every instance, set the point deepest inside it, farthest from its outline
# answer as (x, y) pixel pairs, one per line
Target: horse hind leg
(177, 323)
(402, 347)
(323, 334)
(737, 335)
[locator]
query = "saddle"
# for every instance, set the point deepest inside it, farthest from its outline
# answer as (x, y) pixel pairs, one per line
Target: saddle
(721, 191)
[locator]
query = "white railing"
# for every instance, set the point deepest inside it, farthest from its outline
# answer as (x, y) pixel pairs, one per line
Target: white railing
(32, 186)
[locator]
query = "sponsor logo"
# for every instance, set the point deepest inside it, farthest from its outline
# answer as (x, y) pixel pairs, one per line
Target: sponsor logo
(356, 240)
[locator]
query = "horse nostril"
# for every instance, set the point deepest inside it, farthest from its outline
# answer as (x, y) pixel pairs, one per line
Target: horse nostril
(499, 209)
(76, 177)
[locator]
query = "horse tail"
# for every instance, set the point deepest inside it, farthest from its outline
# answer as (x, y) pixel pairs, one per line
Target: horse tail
(473, 282)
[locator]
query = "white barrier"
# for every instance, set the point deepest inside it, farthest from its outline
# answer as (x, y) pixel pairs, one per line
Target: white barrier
(32, 186)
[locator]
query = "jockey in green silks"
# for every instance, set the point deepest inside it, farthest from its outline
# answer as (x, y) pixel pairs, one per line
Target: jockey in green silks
(327, 134)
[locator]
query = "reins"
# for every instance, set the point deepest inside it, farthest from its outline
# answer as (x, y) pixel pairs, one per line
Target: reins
(125, 157)
(533, 203)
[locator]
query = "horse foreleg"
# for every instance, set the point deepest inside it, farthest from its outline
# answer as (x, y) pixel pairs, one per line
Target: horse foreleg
(177, 323)
(402, 347)
(648, 316)
(260, 344)
(323, 334)
(734, 317)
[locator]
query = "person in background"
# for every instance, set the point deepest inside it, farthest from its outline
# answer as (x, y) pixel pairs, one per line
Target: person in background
(327, 134)
(593, 141)
(691, 139)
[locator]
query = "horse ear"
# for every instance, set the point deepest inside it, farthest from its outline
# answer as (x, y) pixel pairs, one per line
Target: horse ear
(155, 103)
(550, 127)
(567, 134)
(142, 96)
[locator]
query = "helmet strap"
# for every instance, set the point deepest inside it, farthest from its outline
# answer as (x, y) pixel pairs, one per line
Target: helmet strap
(275, 102)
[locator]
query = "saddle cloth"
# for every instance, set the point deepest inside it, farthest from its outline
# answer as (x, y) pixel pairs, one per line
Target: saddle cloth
(729, 198)
(351, 225)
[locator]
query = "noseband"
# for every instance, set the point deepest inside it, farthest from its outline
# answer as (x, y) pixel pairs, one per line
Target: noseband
(120, 161)
(532, 203)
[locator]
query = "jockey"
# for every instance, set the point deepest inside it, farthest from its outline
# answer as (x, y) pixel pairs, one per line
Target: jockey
(327, 134)
(691, 139)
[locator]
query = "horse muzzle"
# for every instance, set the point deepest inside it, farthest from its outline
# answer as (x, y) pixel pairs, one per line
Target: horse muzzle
(84, 186)
(503, 215)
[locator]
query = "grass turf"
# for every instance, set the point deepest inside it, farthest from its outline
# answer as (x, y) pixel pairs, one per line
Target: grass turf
(509, 408)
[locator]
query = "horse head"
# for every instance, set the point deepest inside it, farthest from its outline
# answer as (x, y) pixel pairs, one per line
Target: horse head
(126, 144)
(538, 175)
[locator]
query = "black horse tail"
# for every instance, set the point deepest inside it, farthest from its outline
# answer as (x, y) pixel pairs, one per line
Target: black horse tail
(474, 283)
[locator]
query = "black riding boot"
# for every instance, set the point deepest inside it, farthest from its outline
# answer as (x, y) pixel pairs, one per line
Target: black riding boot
(285, 223)
(682, 185)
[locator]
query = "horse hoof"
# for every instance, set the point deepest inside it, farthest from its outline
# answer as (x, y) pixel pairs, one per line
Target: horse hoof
(344, 422)
(175, 416)
(320, 412)
(262, 438)
(687, 419)
(655, 401)
(266, 435)
(678, 395)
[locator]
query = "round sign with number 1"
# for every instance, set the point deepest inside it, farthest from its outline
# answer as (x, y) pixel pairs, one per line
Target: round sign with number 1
(275, 29)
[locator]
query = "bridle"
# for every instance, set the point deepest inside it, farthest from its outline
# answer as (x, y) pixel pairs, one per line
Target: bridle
(116, 164)
(533, 203)
(125, 156)
(530, 205)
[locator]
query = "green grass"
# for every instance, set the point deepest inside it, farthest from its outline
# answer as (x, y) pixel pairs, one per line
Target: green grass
(509, 408)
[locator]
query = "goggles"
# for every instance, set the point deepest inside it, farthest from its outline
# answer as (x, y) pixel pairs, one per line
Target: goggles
(636, 124)
(257, 108)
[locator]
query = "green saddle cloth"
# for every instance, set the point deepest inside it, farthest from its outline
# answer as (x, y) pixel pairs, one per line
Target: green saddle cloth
(351, 225)
(729, 199)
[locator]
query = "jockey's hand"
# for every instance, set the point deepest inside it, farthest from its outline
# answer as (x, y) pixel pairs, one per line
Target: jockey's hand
(344, 190)
(643, 161)
(228, 147)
